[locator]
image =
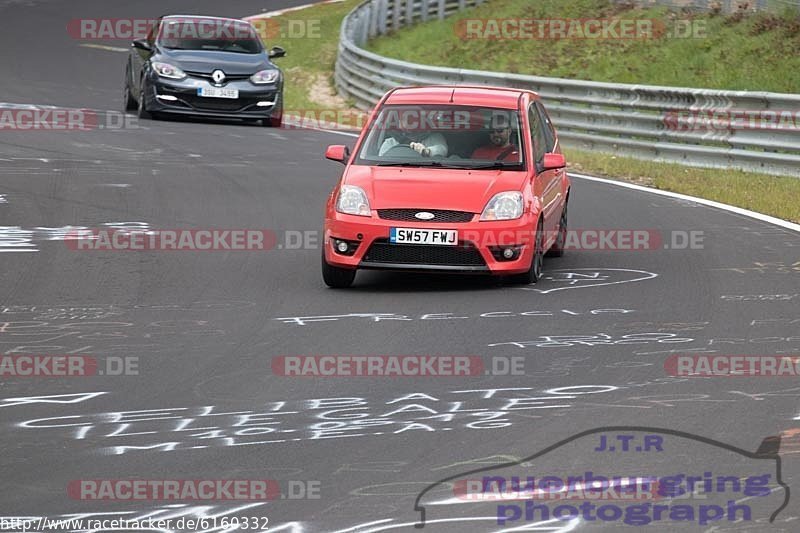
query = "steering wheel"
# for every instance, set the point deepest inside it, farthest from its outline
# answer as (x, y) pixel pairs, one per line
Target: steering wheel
(401, 150)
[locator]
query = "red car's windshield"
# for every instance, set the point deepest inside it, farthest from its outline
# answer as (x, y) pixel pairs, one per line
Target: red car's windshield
(444, 135)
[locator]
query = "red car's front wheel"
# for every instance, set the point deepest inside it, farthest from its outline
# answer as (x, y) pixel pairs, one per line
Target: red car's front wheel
(335, 277)
(537, 263)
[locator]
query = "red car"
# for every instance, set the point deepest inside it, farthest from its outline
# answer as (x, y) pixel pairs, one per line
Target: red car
(449, 179)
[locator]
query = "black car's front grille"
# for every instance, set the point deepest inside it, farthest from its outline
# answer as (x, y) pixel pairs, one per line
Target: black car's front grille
(228, 77)
(216, 104)
(439, 215)
(464, 254)
(204, 103)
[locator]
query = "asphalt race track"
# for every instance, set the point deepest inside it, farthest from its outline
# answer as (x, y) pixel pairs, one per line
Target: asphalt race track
(206, 325)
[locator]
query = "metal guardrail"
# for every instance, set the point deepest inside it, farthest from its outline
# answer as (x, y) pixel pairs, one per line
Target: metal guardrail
(657, 123)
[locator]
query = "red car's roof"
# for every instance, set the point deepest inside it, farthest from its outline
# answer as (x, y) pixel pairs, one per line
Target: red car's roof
(501, 97)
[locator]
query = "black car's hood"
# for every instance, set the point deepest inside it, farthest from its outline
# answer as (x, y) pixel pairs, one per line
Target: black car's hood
(206, 61)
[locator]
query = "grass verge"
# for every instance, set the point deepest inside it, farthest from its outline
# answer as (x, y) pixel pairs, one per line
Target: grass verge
(311, 39)
(754, 52)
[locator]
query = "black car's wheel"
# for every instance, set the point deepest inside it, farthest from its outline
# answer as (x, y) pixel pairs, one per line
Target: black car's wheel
(275, 121)
(535, 271)
(127, 98)
(335, 277)
(557, 249)
(141, 109)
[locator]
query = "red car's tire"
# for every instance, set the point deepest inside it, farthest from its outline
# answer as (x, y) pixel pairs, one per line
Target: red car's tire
(537, 263)
(557, 250)
(335, 277)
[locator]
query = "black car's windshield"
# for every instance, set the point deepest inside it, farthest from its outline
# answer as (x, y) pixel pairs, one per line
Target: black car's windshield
(209, 34)
(444, 136)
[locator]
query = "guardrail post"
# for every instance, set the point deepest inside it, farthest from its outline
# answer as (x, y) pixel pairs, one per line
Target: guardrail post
(363, 27)
(372, 13)
(409, 12)
(441, 9)
(396, 9)
(383, 13)
(424, 6)
(462, 4)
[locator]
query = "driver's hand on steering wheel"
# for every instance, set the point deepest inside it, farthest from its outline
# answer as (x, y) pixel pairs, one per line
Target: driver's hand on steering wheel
(421, 149)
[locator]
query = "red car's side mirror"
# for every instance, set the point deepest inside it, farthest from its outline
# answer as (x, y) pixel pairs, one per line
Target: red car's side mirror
(337, 152)
(554, 161)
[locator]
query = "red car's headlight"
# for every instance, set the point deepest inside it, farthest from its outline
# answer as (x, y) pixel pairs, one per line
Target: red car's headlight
(352, 200)
(503, 206)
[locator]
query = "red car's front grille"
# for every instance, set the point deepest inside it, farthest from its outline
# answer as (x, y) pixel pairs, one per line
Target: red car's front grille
(439, 215)
(464, 254)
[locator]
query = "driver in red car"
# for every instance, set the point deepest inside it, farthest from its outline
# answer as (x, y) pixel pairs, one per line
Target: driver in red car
(425, 143)
(499, 147)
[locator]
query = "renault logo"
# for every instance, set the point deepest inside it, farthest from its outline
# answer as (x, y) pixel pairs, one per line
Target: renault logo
(218, 76)
(424, 215)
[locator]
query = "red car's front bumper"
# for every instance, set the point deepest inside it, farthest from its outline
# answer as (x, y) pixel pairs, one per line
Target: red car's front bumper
(474, 253)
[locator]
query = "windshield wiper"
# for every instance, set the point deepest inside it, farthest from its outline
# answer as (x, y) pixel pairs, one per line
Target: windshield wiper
(436, 164)
(496, 164)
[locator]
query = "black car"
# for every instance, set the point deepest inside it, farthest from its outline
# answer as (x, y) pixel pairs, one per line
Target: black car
(210, 66)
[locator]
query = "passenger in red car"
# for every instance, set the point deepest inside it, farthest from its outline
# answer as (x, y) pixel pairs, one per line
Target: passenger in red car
(499, 147)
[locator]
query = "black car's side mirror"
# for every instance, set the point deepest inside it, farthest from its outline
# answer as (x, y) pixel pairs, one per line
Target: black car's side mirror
(276, 52)
(142, 44)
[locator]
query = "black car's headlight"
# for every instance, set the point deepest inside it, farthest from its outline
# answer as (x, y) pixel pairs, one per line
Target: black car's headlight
(263, 77)
(165, 70)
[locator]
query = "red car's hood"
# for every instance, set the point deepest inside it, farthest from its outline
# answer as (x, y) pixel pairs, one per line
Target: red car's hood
(431, 188)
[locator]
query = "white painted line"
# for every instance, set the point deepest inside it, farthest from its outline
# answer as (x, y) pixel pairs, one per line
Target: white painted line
(325, 130)
(279, 12)
(709, 203)
(104, 47)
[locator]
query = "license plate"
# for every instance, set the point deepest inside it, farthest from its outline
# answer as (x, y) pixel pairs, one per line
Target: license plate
(217, 92)
(423, 236)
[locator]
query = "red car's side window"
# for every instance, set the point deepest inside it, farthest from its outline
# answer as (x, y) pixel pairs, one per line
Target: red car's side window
(537, 134)
(549, 131)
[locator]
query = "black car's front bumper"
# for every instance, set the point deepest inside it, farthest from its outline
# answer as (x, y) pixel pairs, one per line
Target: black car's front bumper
(181, 97)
